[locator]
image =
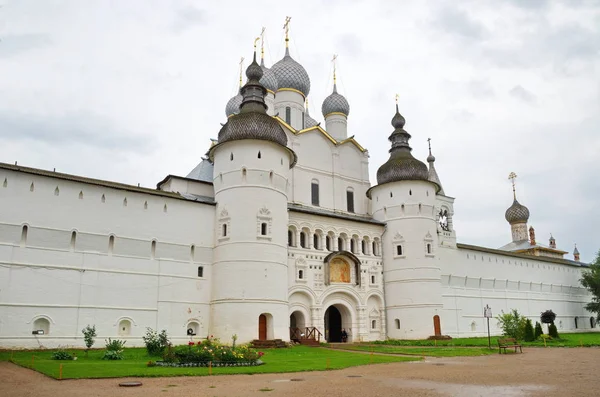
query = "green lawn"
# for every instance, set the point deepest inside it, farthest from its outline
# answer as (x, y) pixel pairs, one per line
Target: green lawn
(566, 340)
(294, 359)
(421, 351)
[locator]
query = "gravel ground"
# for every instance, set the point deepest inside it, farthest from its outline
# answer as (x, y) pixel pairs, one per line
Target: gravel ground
(549, 372)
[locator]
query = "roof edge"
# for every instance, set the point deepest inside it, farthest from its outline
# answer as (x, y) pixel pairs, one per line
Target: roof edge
(521, 256)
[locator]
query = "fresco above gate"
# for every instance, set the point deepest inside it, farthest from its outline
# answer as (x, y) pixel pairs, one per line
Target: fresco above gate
(339, 271)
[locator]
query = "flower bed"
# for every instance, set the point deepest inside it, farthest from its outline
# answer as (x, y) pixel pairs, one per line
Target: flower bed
(210, 352)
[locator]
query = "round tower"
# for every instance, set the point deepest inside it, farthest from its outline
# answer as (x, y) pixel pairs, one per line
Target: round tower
(293, 86)
(335, 111)
(249, 272)
(404, 198)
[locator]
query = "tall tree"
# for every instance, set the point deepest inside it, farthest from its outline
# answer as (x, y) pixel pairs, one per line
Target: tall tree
(590, 279)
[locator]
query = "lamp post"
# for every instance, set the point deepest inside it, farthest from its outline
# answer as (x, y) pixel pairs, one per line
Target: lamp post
(487, 313)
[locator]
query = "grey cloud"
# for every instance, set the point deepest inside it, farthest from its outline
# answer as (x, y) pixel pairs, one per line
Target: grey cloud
(460, 23)
(521, 93)
(350, 45)
(188, 17)
(16, 44)
(480, 89)
(78, 128)
(530, 4)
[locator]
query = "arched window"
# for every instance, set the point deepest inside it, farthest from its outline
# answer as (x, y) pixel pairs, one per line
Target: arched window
(364, 247)
(24, 232)
(288, 115)
(224, 230)
(328, 243)
(302, 239)
(153, 249)
(397, 321)
(192, 252)
(341, 244)
(124, 327)
(290, 238)
(314, 192)
(353, 246)
(73, 240)
(111, 244)
(350, 199)
(259, 155)
(263, 229)
(398, 250)
(316, 242)
(374, 248)
(41, 326)
(373, 324)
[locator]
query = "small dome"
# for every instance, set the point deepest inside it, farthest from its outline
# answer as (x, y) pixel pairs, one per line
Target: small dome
(335, 103)
(253, 125)
(233, 105)
(402, 166)
(268, 80)
(517, 213)
(290, 74)
(430, 158)
(309, 121)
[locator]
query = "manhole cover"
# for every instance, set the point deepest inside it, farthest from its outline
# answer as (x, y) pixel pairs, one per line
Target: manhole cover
(354, 376)
(130, 384)
(296, 380)
(439, 364)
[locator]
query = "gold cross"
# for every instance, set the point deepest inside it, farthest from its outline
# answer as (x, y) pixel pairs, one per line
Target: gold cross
(334, 75)
(512, 176)
(256, 41)
(262, 43)
(241, 67)
(397, 96)
(286, 26)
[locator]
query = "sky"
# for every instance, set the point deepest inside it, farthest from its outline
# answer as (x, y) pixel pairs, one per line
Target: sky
(132, 91)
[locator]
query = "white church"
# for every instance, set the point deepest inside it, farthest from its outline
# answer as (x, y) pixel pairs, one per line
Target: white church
(276, 234)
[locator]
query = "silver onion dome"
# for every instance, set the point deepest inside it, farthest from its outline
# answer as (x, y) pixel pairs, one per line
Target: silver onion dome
(290, 74)
(268, 80)
(335, 103)
(517, 213)
(401, 166)
(233, 105)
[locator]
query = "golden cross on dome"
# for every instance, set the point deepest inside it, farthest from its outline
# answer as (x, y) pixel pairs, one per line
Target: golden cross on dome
(262, 43)
(286, 26)
(256, 41)
(241, 68)
(512, 176)
(334, 75)
(397, 97)
(429, 143)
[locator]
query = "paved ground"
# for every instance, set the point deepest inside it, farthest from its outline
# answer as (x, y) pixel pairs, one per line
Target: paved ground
(548, 372)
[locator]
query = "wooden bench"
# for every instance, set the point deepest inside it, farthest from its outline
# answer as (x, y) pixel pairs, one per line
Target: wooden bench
(505, 343)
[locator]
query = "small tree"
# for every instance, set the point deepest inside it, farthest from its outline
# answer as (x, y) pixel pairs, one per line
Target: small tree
(529, 335)
(552, 331)
(512, 324)
(548, 317)
(89, 336)
(155, 342)
(538, 330)
(590, 279)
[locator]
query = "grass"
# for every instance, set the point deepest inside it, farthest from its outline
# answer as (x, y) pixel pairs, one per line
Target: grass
(566, 340)
(296, 359)
(422, 351)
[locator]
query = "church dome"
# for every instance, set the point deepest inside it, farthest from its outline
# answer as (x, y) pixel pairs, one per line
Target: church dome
(335, 103)
(290, 74)
(401, 166)
(252, 121)
(268, 80)
(517, 213)
(233, 105)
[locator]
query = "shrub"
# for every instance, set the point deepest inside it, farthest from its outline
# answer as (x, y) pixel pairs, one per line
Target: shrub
(552, 331)
(61, 355)
(155, 342)
(548, 317)
(89, 336)
(113, 355)
(151, 364)
(512, 324)
(209, 350)
(528, 335)
(538, 330)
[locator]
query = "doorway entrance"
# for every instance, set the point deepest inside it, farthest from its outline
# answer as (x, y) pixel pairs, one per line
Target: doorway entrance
(437, 327)
(333, 324)
(262, 327)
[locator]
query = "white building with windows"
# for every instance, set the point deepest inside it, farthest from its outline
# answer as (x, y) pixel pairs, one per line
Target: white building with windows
(277, 232)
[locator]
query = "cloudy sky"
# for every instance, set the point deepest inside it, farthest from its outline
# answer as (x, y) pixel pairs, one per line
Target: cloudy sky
(133, 90)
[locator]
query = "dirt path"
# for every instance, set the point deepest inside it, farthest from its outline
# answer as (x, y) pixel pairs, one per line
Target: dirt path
(560, 372)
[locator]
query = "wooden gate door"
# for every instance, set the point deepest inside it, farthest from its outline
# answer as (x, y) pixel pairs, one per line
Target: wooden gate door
(437, 328)
(262, 327)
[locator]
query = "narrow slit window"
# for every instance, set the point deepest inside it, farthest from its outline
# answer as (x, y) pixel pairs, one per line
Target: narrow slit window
(288, 115)
(24, 232)
(73, 240)
(429, 248)
(200, 271)
(224, 230)
(111, 244)
(153, 250)
(314, 189)
(290, 238)
(263, 229)
(372, 279)
(373, 324)
(399, 250)
(350, 200)
(259, 155)
(397, 324)
(300, 274)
